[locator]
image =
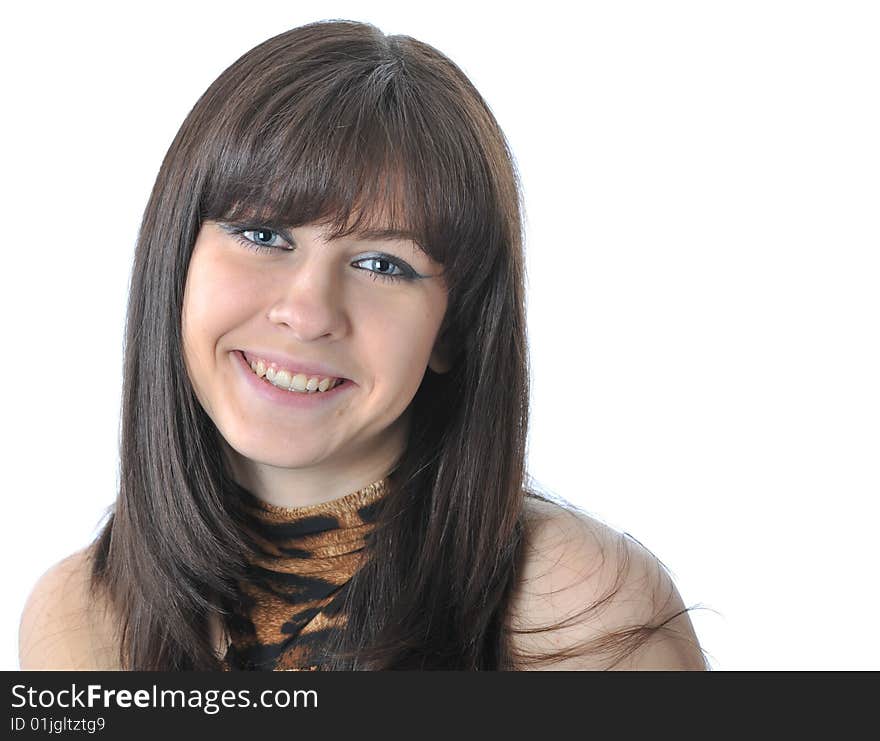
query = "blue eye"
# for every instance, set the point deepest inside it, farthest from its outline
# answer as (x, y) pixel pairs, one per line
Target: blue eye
(258, 238)
(262, 236)
(266, 239)
(382, 266)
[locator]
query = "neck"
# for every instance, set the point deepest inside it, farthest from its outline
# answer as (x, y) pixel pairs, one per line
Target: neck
(325, 481)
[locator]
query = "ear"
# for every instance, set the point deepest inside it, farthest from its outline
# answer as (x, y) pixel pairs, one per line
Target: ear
(439, 360)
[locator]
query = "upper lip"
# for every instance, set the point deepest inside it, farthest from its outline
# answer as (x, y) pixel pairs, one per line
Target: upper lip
(290, 363)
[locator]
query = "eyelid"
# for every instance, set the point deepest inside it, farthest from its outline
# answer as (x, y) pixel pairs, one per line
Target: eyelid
(242, 227)
(407, 271)
(239, 228)
(278, 234)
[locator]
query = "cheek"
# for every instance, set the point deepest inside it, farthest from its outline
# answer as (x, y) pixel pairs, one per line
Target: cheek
(194, 330)
(211, 301)
(400, 342)
(215, 299)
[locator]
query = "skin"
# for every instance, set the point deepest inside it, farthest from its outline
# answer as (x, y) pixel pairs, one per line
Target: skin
(320, 303)
(572, 562)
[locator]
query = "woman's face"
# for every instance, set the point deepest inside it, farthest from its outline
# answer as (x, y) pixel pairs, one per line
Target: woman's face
(321, 310)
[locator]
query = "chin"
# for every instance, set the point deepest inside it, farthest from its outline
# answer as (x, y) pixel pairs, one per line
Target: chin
(281, 459)
(275, 454)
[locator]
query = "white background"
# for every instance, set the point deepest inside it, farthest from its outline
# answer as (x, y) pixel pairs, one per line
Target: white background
(701, 182)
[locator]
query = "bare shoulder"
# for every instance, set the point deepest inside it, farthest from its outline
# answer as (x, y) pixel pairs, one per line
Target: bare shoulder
(65, 626)
(601, 589)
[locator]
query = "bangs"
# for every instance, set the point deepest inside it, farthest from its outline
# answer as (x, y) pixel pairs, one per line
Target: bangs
(358, 146)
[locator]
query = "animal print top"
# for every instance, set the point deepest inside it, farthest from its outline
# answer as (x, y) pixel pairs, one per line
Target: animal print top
(290, 602)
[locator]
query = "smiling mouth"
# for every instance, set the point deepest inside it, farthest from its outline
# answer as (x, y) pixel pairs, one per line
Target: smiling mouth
(298, 383)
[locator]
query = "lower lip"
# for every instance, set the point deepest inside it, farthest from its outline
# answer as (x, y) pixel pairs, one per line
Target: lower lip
(294, 399)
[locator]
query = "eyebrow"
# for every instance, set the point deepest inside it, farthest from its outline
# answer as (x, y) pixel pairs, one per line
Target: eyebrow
(379, 234)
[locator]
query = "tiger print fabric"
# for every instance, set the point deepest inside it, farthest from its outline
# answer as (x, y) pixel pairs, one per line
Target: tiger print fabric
(288, 604)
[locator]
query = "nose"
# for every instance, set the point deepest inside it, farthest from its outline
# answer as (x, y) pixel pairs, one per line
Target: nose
(309, 302)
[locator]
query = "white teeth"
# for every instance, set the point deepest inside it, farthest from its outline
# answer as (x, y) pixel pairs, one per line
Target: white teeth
(299, 382)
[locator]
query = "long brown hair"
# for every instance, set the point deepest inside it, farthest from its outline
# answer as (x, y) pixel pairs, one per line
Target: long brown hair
(334, 122)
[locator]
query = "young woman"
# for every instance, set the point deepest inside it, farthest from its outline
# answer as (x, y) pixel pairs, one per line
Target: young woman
(325, 401)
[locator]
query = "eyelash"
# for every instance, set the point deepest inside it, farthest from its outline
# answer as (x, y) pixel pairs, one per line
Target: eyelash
(407, 273)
